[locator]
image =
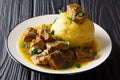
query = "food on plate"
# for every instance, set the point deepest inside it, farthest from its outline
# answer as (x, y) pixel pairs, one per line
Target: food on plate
(66, 43)
(74, 26)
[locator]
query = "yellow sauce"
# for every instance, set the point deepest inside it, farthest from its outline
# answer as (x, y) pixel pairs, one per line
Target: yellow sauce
(24, 51)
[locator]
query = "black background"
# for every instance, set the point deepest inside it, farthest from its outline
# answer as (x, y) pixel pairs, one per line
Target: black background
(105, 13)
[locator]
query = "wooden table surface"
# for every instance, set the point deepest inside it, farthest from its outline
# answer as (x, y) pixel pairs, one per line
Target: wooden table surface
(105, 13)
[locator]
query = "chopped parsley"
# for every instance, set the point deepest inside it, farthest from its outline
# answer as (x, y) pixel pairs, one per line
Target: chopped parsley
(70, 19)
(66, 43)
(39, 50)
(33, 50)
(67, 65)
(58, 52)
(78, 65)
(60, 11)
(44, 53)
(94, 52)
(58, 38)
(52, 32)
(24, 45)
(87, 47)
(80, 14)
(46, 30)
(54, 21)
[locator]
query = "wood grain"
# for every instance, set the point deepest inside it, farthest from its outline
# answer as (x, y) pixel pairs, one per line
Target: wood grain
(106, 13)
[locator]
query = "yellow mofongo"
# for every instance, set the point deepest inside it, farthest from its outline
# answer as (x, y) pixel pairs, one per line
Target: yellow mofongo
(78, 34)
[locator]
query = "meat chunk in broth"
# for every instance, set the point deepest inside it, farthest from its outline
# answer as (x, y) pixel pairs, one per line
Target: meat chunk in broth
(39, 59)
(46, 36)
(83, 56)
(44, 33)
(38, 44)
(29, 34)
(57, 45)
(56, 61)
(68, 55)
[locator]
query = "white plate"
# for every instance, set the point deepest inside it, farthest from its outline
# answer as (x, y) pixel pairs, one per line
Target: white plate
(11, 44)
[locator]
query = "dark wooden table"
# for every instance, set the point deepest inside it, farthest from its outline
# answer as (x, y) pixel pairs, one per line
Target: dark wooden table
(106, 13)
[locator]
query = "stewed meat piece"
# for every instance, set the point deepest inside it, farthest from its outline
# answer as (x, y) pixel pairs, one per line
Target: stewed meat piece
(38, 43)
(46, 36)
(68, 55)
(83, 56)
(29, 34)
(80, 19)
(57, 45)
(56, 60)
(41, 58)
(73, 9)
(44, 32)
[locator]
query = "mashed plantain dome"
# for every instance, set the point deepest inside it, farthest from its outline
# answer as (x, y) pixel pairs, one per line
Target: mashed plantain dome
(73, 27)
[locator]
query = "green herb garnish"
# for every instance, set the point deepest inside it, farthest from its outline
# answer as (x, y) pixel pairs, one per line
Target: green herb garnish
(70, 19)
(78, 65)
(60, 11)
(94, 52)
(39, 50)
(44, 53)
(58, 38)
(66, 43)
(46, 29)
(80, 14)
(54, 21)
(87, 47)
(24, 45)
(67, 65)
(58, 52)
(33, 50)
(52, 32)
